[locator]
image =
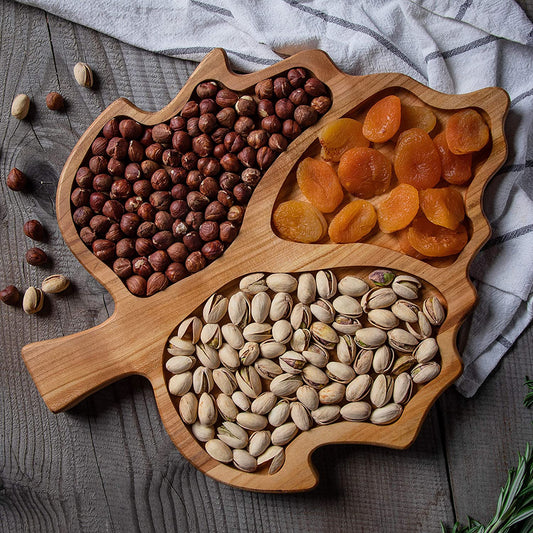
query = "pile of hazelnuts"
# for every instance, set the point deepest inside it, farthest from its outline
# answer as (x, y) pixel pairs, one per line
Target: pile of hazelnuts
(159, 203)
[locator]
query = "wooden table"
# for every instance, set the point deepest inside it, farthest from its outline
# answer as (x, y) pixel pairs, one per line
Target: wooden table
(108, 464)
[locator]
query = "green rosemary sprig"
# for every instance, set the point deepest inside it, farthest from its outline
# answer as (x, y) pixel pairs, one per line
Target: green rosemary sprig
(528, 400)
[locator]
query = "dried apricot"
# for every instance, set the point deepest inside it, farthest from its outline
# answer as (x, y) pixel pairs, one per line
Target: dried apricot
(416, 160)
(339, 136)
(436, 241)
(417, 116)
(466, 132)
(444, 207)
(383, 119)
(456, 169)
(352, 222)
(319, 184)
(405, 245)
(398, 210)
(299, 221)
(364, 172)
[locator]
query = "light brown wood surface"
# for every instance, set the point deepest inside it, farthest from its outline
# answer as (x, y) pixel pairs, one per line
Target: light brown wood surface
(68, 369)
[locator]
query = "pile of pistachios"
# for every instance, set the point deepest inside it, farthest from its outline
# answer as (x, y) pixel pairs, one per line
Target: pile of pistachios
(287, 352)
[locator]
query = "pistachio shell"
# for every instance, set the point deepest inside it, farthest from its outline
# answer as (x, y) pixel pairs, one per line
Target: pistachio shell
(292, 362)
(211, 335)
(249, 353)
(232, 335)
(207, 355)
(257, 332)
(233, 435)
(229, 356)
(403, 363)
(281, 306)
(326, 414)
(378, 298)
(316, 355)
(258, 443)
(267, 368)
(406, 287)
(405, 310)
(358, 388)
(314, 377)
(225, 380)
(188, 408)
(55, 284)
(306, 291)
(426, 350)
(264, 403)
(270, 348)
(308, 396)
(282, 331)
(363, 361)
(260, 307)
(332, 393)
(381, 391)
(424, 372)
(403, 388)
(387, 414)
(324, 335)
(252, 421)
(383, 319)
(346, 349)
(402, 340)
(241, 400)
(279, 413)
(370, 338)
(239, 309)
(326, 284)
(422, 328)
(253, 283)
(215, 308)
(249, 381)
(301, 316)
(180, 363)
(207, 411)
(281, 282)
(356, 411)
(190, 329)
(300, 340)
(323, 310)
(202, 433)
(227, 408)
(383, 359)
(300, 416)
(202, 380)
(179, 384)
(353, 286)
(244, 461)
(347, 305)
(340, 372)
(285, 385)
(346, 325)
(284, 434)
(180, 346)
(219, 451)
(434, 310)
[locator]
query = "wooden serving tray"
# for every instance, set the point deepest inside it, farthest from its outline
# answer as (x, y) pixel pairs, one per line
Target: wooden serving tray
(133, 339)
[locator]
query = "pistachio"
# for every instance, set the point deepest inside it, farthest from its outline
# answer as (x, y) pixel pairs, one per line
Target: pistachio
(215, 308)
(381, 391)
(188, 408)
(264, 403)
(202, 380)
(346, 325)
(20, 106)
(260, 307)
(358, 388)
(281, 306)
(227, 408)
(180, 363)
(233, 335)
(258, 443)
(202, 433)
(275, 455)
(249, 353)
(387, 414)
(332, 393)
(420, 329)
(403, 363)
(267, 368)
(249, 381)
(229, 356)
(180, 346)
(323, 311)
(434, 310)
(405, 310)
(207, 411)
(402, 340)
(252, 421)
(292, 362)
(346, 349)
(381, 278)
(83, 74)
(244, 461)
(207, 355)
(241, 400)
(285, 385)
(403, 387)
(211, 336)
(225, 380)
(239, 309)
(370, 338)
(353, 286)
(253, 283)
(55, 284)
(270, 348)
(424, 372)
(33, 300)
(314, 377)
(308, 396)
(363, 361)
(383, 319)
(356, 411)
(383, 359)
(378, 298)
(190, 329)
(326, 284)
(324, 335)
(281, 283)
(347, 305)
(282, 331)
(233, 435)
(406, 287)
(326, 414)
(316, 355)
(179, 384)
(257, 332)
(300, 340)
(340, 372)
(219, 450)
(284, 434)
(301, 316)
(279, 413)
(301, 417)
(426, 350)
(306, 290)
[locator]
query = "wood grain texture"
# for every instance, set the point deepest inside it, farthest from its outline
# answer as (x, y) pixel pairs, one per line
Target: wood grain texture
(108, 464)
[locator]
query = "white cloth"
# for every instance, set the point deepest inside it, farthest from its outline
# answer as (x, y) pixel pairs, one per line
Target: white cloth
(452, 46)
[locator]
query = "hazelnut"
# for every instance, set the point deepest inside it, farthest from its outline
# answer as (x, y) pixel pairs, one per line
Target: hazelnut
(233, 142)
(194, 178)
(111, 129)
(242, 192)
(98, 164)
(305, 115)
(142, 188)
(100, 224)
(195, 262)
(129, 223)
(148, 167)
(97, 201)
(226, 117)
(84, 177)
(215, 211)
(162, 239)
(102, 182)
(160, 180)
(251, 176)
(146, 138)
(225, 198)
(104, 249)
(208, 230)
(271, 124)
(194, 219)
(290, 129)
(10, 295)
(177, 123)
(162, 133)
(277, 142)
(228, 180)
(146, 230)
(264, 89)
(179, 229)
(226, 98)
(175, 272)
(34, 230)
(80, 197)
(163, 220)
(99, 145)
(178, 209)
(156, 282)
(159, 260)
(82, 215)
(230, 163)
(114, 233)
(117, 147)
(235, 214)
(133, 203)
(297, 76)
(177, 175)
(181, 141)
(207, 89)
(125, 248)
(190, 109)
(189, 161)
(257, 138)
(197, 201)
(299, 97)
(136, 151)
(314, 87)
(122, 267)
(212, 250)
(228, 231)
(202, 145)
(113, 209)
(130, 129)
(136, 285)
(192, 241)
(161, 200)
(144, 247)
(246, 106)
(209, 187)
(120, 190)
(209, 166)
(192, 127)
(265, 108)
(247, 156)
(219, 134)
(284, 108)
(16, 180)
(244, 125)
(177, 252)
(265, 157)
(141, 266)
(154, 152)
(207, 122)
(219, 151)
(282, 87)
(321, 104)
(179, 191)
(208, 105)
(87, 235)
(115, 167)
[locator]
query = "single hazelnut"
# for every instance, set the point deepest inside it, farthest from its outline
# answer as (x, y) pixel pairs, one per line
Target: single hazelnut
(181, 141)
(133, 203)
(136, 151)
(115, 167)
(244, 125)
(242, 192)
(257, 138)
(34, 230)
(175, 272)
(136, 285)
(226, 98)
(160, 180)
(111, 129)
(16, 180)
(207, 89)
(141, 266)
(197, 201)
(114, 233)
(177, 252)
(125, 247)
(246, 106)
(228, 231)
(297, 76)
(129, 223)
(100, 224)
(208, 230)
(194, 178)
(225, 198)
(195, 262)
(10, 295)
(87, 235)
(207, 122)
(219, 134)
(265, 157)
(122, 267)
(130, 129)
(156, 282)
(84, 177)
(305, 115)
(148, 167)
(271, 124)
(228, 180)
(190, 109)
(146, 138)
(104, 249)
(159, 260)
(99, 145)
(120, 189)
(226, 117)
(264, 89)
(219, 151)
(82, 215)
(208, 105)
(299, 97)
(102, 182)
(177, 175)
(251, 176)
(162, 133)
(321, 104)
(248, 156)
(117, 147)
(144, 247)
(189, 161)
(194, 219)
(277, 142)
(171, 158)
(98, 164)
(146, 230)
(209, 187)
(215, 211)
(179, 191)
(212, 250)
(282, 87)
(192, 127)
(202, 145)
(154, 152)
(314, 87)
(142, 188)
(265, 108)
(113, 209)
(162, 239)
(80, 197)
(161, 200)
(230, 163)
(209, 166)
(179, 229)
(290, 129)
(284, 109)
(163, 220)
(233, 142)
(177, 123)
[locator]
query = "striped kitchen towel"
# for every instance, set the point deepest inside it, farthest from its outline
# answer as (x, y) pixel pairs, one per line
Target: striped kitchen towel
(452, 46)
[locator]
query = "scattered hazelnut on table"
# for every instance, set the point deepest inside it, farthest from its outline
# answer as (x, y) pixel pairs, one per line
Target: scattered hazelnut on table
(20, 106)
(36, 257)
(34, 230)
(16, 180)
(83, 74)
(10, 295)
(54, 101)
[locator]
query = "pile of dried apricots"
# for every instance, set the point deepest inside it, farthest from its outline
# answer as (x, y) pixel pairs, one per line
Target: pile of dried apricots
(423, 210)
